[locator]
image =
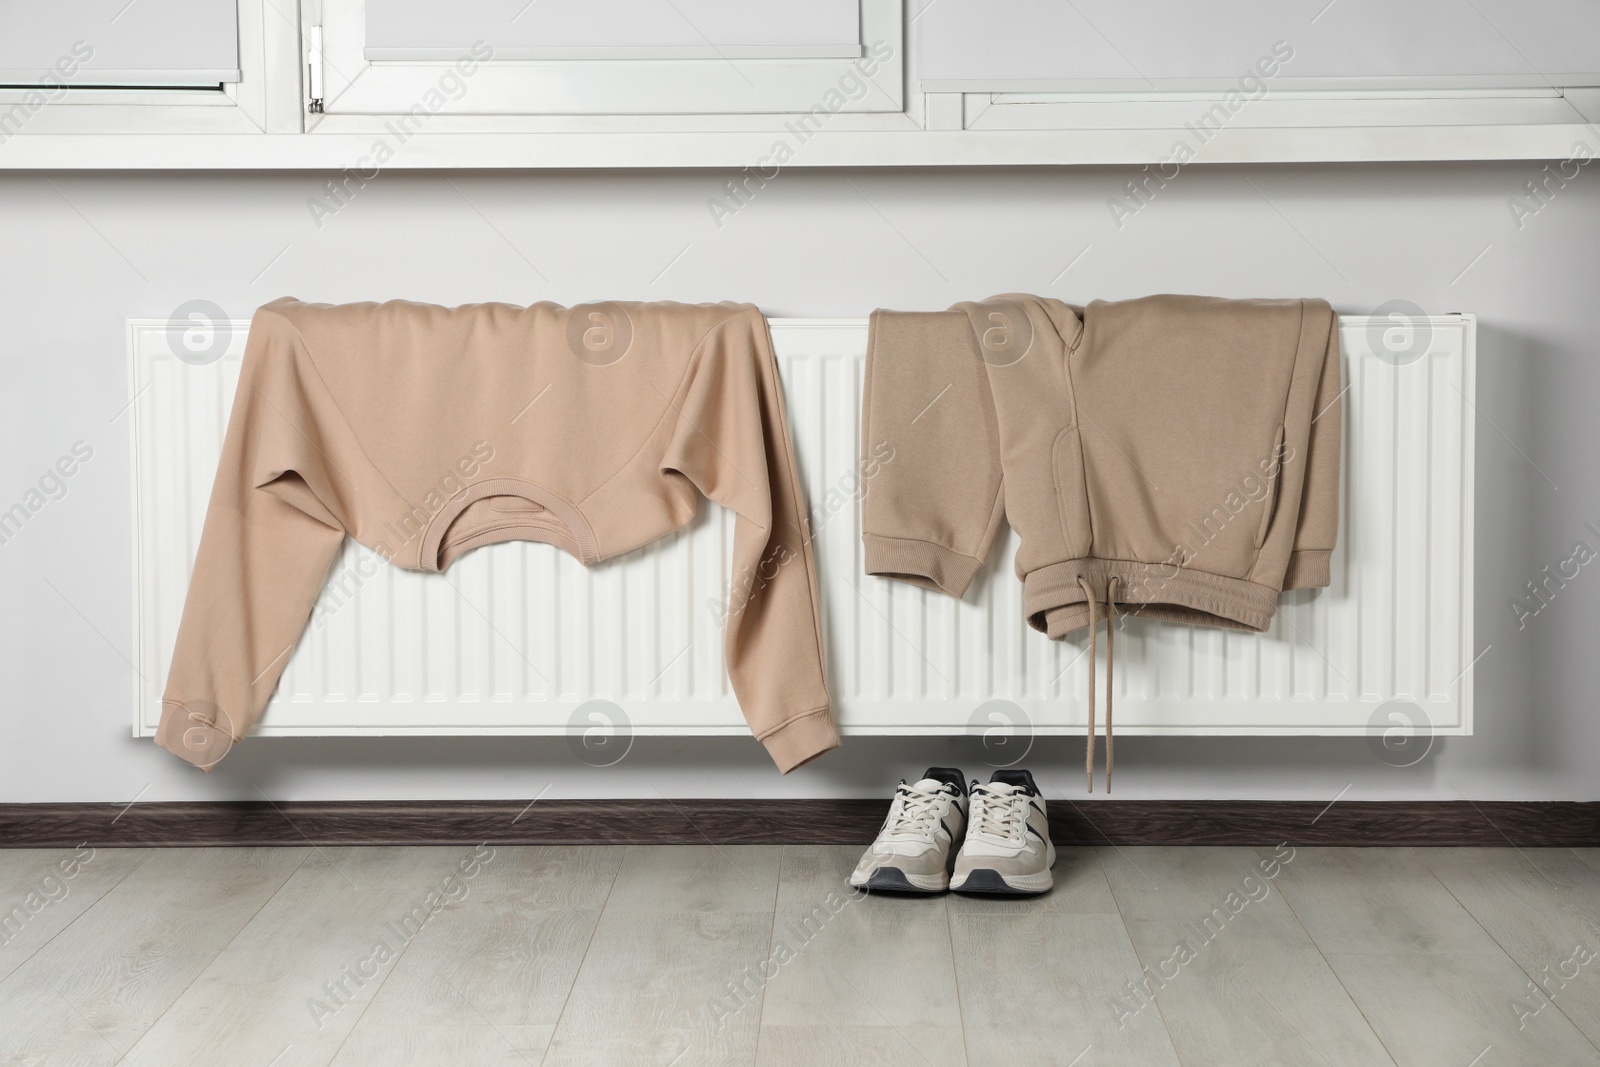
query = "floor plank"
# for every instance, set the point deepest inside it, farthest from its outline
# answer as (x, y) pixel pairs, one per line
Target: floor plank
(851, 1046)
(856, 959)
(666, 987)
(1542, 906)
(1453, 1009)
(1377, 900)
(106, 979)
(291, 986)
(444, 1046)
(700, 878)
(1431, 981)
(507, 954)
(1229, 967)
(42, 890)
(1036, 988)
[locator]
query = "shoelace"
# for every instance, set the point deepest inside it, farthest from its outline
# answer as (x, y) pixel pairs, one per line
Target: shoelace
(1111, 633)
(916, 813)
(996, 813)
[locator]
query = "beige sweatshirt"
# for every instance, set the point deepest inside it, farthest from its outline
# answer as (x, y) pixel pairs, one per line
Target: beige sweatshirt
(1174, 455)
(423, 432)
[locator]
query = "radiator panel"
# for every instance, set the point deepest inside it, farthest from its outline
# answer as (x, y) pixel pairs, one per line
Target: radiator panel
(515, 638)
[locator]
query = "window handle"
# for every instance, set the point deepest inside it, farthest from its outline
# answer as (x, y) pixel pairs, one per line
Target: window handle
(314, 69)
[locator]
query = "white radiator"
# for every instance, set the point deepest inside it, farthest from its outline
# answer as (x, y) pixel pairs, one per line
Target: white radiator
(515, 637)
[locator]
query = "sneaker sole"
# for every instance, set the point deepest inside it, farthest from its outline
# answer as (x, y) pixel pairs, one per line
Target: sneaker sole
(985, 881)
(894, 880)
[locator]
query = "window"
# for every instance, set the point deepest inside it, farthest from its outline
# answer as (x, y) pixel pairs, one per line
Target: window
(98, 43)
(1167, 45)
(619, 57)
(616, 29)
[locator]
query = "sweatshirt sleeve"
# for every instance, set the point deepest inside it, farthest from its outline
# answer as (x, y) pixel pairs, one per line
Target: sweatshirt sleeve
(930, 514)
(1317, 531)
(272, 530)
(731, 441)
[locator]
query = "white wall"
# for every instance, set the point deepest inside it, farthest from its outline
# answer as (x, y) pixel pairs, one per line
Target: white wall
(83, 252)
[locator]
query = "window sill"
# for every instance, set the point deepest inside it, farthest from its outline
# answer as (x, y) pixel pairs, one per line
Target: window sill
(431, 150)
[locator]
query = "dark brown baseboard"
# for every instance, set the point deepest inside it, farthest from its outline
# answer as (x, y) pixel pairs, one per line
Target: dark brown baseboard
(751, 822)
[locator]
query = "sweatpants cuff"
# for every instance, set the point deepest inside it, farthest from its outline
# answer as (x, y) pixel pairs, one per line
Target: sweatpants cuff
(1308, 569)
(802, 739)
(921, 563)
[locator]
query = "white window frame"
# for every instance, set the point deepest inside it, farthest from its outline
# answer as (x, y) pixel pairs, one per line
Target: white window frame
(263, 100)
(353, 85)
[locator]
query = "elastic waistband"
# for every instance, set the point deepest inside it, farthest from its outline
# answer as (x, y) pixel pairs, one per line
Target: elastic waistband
(1057, 604)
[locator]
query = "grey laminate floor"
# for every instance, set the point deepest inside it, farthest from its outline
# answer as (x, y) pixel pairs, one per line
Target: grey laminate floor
(760, 955)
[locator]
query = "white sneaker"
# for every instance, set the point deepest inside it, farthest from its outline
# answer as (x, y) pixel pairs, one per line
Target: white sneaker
(1008, 847)
(913, 850)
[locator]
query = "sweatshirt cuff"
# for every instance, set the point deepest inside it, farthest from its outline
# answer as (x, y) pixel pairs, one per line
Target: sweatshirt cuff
(801, 739)
(1308, 569)
(921, 563)
(193, 736)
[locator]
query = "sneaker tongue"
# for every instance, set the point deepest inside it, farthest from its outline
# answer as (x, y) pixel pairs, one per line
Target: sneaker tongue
(930, 785)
